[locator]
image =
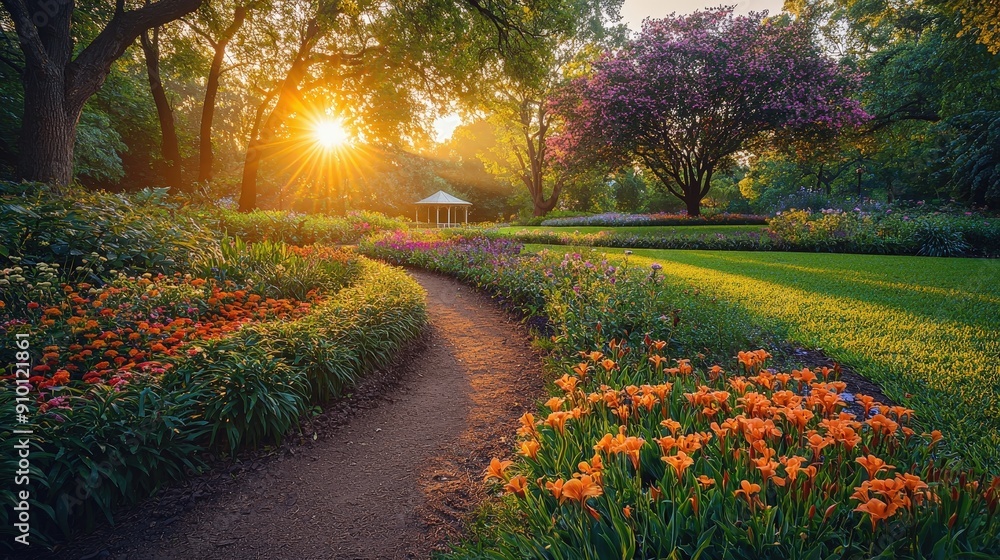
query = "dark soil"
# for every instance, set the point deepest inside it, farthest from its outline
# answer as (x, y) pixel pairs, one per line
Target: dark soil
(856, 383)
(391, 472)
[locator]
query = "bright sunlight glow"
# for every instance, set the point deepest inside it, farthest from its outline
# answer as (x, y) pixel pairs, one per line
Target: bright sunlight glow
(330, 133)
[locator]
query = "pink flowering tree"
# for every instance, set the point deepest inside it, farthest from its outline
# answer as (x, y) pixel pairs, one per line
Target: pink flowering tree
(691, 92)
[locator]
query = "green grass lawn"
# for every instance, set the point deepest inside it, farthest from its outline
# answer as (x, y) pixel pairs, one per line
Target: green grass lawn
(635, 230)
(926, 329)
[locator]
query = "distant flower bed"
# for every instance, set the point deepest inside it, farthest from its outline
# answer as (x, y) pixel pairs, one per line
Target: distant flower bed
(613, 219)
(835, 231)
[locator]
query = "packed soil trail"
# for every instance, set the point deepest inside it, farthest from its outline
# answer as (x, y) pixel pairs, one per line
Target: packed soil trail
(395, 481)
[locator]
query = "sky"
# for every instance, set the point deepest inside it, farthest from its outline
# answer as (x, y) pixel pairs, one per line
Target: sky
(633, 12)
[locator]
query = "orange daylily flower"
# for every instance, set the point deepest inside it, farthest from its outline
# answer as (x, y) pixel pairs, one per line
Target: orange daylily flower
(527, 428)
(705, 481)
(877, 510)
(679, 462)
(581, 489)
(556, 489)
(557, 421)
(883, 424)
(530, 448)
(497, 469)
(567, 383)
(594, 356)
(873, 465)
(517, 485)
(555, 403)
(672, 425)
(748, 490)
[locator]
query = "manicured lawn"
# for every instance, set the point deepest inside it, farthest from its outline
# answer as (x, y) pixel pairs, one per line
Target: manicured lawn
(636, 230)
(926, 329)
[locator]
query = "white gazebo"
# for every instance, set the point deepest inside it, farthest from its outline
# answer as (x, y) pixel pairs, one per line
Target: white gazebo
(441, 200)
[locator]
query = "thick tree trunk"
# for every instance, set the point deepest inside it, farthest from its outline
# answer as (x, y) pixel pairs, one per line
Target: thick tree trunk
(543, 206)
(206, 156)
(693, 203)
(169, 146)
(48, 129)
(56, 85)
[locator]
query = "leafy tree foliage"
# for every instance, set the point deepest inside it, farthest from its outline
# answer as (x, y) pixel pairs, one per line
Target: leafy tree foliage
(692, 91)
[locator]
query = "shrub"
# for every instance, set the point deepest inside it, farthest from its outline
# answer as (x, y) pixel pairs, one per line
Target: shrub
(248, 395)
(90, 234)
(96, 448)
(372, 319)
(612, 219)
(275, 269)
(304, 229)
(936, 238)
(829, 230)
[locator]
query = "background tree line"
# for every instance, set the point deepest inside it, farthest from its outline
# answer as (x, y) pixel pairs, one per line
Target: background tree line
(214, 99)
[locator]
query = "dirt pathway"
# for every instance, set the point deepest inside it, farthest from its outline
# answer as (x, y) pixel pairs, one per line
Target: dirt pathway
(394, 481)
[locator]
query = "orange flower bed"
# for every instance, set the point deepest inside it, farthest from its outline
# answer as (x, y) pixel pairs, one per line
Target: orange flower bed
(636, 459)
(135, 326)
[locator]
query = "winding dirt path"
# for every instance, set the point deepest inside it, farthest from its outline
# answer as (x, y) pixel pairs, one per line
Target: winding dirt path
(393, 482)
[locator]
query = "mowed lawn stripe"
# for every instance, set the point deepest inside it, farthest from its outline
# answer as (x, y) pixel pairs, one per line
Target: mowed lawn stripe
(928, 330)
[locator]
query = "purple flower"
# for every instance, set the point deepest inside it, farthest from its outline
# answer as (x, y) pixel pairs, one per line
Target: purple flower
(657, 266)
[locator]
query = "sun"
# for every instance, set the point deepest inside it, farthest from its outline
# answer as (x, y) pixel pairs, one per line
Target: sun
(330, 133)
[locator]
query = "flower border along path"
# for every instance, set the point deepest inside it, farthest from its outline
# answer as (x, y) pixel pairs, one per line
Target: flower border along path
(395, 481)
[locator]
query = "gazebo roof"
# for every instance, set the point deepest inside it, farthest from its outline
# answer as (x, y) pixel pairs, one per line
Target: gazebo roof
(442, 198)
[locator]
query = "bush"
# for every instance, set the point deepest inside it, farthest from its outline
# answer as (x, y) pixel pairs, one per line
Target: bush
(275, 269)
(90, 234)
(829, 230)
(97, 448)
(612, 219)
(304, 229)
(248, 396)
(373, 319)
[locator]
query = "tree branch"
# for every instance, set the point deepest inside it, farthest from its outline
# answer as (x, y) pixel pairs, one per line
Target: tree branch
(86, 74)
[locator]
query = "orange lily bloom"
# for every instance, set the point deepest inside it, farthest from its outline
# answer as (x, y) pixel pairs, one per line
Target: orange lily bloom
(517, 485)
(497, 469)
(581, 489)
(877, 510)
(679, 462)
(748, 490)
(530, 448)
(873, 465)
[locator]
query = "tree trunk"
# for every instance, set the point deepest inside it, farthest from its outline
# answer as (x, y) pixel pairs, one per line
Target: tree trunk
(206, 157)
(251, 164)
(542, 206)
(169, 146)
(56, 85)
(48, 129)
(693, 203)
